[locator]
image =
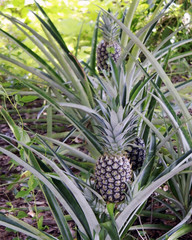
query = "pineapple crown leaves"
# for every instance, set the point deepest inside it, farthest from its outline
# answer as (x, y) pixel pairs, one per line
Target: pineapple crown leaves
(116, 116)
(115, 86)
(117, 128)
(109, 28)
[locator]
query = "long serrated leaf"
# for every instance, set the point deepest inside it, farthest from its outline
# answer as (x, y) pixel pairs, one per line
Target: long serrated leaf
(159, 70)
(70, 74)
(139, 86)
(178, 128)
(51, 26)
(164, 51)
(153, 21)
(14, 223)
(38, 36)
(150, 160)
(150, 227)
(141, 196)
(72, 151)
(128, 21)
(185, 136)
(58, 214)
(176, 57)
(75, 163)
(66, 168)
(152, 103)
(94, 45)
(175, 164)
(51, 200)
(88, 134)
(39, 74)
(90, 137)
(177, 230)
(39, 41)
(84, 216)
(68, 188)
(55, 33)
(187, 228)
(35, 56)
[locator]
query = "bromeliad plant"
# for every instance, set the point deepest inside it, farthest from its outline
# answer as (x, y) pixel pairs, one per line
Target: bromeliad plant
(108, 47)
(95, 219)
(116, 115)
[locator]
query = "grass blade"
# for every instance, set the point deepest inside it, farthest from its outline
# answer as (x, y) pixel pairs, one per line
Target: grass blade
(20, 226)
(87, 222)
(58, 214)
(35, 56)
(54, 32)
(142, 196)
(94, 46)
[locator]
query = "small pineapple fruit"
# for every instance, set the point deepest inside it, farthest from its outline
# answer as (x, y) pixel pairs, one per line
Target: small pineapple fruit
(109, 45)
(113, 169)
(136, 153)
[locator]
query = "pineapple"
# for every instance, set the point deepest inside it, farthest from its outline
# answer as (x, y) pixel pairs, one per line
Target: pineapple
(136, 153)
(109, 45)
(113, 169)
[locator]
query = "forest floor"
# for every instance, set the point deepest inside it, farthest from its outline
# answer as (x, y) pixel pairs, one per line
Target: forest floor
(12, 179)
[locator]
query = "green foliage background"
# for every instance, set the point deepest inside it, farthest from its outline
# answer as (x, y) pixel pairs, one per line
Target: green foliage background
(75, 19)
(70, 17)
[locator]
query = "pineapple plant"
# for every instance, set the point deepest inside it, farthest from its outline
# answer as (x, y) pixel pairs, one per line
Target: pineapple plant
(136, 153)
(108, 47)
(113, 169)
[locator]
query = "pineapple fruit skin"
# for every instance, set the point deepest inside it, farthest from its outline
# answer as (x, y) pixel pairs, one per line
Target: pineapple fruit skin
(104, 50)
(112, 173)
(136, 154)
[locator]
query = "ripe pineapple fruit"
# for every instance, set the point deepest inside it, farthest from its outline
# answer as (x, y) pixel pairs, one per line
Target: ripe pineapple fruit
(136, 153)
(113, 169)
(109, 45)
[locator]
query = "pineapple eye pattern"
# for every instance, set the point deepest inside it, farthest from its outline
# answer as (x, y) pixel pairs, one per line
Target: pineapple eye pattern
(136, 153)
(113, 170)
(113, 185)
(109, 45)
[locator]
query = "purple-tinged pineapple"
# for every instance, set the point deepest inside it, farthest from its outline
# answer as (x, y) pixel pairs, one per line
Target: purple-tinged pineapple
(136, 153)
(113, 169)
(108, 45)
